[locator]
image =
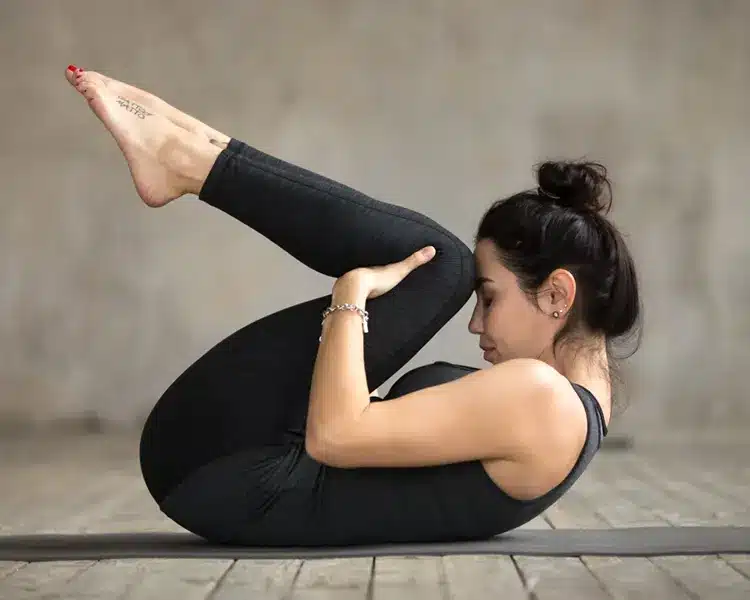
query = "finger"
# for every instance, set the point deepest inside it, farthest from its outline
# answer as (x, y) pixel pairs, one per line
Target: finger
(422, 256)
(417, 259)
(428, 252)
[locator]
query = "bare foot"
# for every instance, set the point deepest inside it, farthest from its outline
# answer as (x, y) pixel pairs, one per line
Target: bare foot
(152, 104)
(165, 161)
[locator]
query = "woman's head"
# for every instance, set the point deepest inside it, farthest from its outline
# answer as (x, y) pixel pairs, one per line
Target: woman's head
(552, 269)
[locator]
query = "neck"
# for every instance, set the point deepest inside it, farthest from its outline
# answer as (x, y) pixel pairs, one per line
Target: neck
(585, 363)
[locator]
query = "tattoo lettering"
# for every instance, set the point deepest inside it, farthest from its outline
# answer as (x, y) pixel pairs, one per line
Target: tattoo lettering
(133, 107)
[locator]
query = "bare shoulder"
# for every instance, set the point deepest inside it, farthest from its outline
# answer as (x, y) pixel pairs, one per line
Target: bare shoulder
(539, 382)
(539, 399)
(523, 381)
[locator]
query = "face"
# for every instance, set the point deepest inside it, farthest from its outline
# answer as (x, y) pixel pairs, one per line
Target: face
(509, 324)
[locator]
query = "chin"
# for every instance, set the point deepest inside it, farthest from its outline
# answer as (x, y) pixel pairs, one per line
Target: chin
(492, 357)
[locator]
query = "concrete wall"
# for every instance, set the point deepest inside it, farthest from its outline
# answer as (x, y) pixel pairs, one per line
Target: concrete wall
(438, 105)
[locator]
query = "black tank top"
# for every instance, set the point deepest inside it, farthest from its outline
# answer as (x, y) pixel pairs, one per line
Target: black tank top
(454, 502)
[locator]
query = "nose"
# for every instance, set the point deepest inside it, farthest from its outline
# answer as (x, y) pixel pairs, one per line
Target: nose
(475, 324)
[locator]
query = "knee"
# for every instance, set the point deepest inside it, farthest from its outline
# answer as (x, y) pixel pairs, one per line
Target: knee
(451, 247)
(455, 264)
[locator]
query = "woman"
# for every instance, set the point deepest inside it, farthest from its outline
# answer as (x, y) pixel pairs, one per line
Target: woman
(272, 437)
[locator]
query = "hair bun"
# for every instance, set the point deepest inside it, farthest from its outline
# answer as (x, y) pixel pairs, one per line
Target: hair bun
(579, 186)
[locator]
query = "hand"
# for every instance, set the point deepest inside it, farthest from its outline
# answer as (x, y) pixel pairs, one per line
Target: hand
(376, 281)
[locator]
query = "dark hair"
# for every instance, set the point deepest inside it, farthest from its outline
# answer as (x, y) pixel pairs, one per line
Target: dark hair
(562, 224)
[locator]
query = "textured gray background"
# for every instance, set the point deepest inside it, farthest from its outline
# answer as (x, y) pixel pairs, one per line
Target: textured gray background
(438, 105)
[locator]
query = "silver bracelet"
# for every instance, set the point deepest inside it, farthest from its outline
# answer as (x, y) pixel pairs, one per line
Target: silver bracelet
(354, 308)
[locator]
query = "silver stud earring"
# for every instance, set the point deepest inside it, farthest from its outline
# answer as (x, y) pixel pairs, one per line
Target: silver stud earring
(556, 314)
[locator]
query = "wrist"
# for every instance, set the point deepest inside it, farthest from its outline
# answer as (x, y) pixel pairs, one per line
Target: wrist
(349, 290)
(346, 290)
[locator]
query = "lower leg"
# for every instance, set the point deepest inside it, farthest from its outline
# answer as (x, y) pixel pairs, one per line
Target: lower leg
(326, 225)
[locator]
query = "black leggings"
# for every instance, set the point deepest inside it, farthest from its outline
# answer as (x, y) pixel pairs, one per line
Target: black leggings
(220, 445)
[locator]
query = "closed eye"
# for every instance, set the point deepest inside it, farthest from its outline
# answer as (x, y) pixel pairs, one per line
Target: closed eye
(480, 281)
(484, 299)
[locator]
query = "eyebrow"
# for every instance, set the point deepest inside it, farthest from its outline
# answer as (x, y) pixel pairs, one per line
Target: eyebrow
(480, 281)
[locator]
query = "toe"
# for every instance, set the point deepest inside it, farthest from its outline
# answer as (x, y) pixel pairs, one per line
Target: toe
(71, 74)
(77, 76)
(89, 78)
(89, 85)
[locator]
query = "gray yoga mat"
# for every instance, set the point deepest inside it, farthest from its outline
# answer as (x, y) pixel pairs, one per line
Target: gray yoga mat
(638, 541)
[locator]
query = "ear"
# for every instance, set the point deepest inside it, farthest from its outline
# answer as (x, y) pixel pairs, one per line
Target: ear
(558, 293)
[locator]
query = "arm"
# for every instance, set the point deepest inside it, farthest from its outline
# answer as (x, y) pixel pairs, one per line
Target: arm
(496, 413)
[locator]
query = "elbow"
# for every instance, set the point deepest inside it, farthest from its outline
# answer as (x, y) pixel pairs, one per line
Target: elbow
(327, 450)
(315, 447)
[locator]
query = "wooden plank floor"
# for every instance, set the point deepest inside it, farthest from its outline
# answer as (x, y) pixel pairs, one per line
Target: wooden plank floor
(92, 484)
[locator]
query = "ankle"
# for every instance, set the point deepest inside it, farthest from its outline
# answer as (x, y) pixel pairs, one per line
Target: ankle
(191, 158)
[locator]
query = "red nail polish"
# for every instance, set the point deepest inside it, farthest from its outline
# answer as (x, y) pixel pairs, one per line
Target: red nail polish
(72, 68)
